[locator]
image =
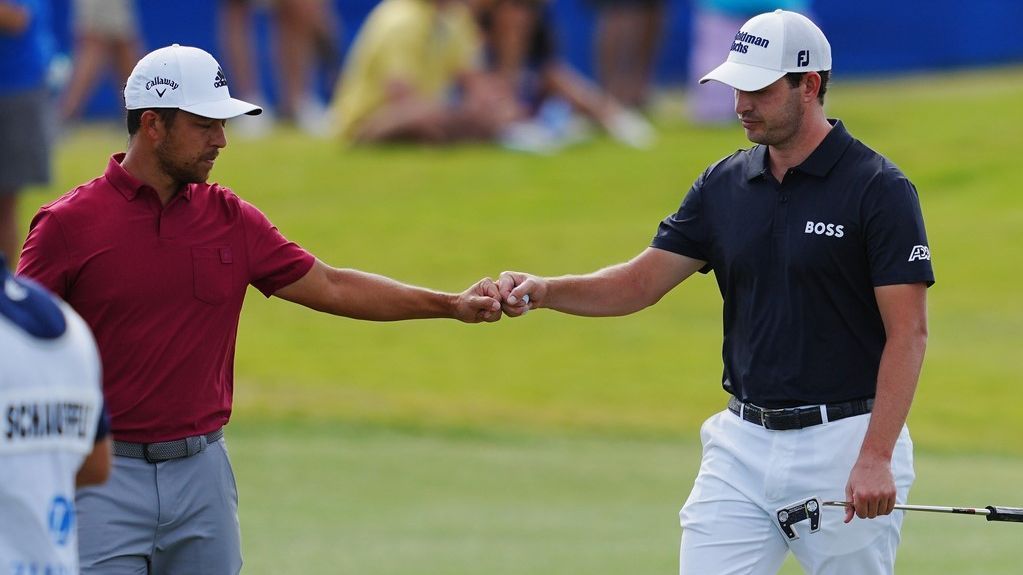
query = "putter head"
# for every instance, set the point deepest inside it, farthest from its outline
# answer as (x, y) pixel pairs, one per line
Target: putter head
(806, 509)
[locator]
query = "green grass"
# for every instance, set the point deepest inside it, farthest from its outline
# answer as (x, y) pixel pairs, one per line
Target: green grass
(555, 444)
(329, 498)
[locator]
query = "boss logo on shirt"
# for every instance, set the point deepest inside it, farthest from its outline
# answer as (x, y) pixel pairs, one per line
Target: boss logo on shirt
(823, 229)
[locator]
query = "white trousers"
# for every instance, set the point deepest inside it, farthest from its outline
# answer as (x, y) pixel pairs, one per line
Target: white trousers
(748, 473)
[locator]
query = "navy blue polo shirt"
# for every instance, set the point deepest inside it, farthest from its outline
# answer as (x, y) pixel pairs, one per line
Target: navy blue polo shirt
(797, 264)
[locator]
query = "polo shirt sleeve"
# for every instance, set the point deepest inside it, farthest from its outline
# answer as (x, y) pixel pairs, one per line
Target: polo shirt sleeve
(45, 257)
(896, 240)
(102, 423)
(274, 262)
(686, 232)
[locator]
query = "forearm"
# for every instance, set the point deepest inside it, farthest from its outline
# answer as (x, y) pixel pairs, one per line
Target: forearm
(362, 295)
(896, 385)
(616, 290)
(96, 467)
(612, 291)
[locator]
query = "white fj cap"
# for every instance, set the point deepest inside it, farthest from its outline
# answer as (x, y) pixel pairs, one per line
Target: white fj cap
(770, 45)
(186, 78)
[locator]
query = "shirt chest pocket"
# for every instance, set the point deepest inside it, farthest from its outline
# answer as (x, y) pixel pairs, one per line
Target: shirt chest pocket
(212, 274)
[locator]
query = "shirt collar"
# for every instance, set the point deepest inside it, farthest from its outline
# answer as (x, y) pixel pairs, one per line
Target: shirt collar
(818, 163)
(128, 185)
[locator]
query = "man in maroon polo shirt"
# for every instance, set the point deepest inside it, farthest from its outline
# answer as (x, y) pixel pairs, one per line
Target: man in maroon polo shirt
(157, 261)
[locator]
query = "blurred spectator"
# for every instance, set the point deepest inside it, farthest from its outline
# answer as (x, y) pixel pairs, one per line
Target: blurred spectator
(714, 26)
(413, 74)
(306, 37)
(27, 118)
(105, 32)
(56, 430)
(521, 44)
(628, 36)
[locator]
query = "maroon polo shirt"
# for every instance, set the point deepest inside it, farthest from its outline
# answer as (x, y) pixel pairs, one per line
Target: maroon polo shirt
(162, 289)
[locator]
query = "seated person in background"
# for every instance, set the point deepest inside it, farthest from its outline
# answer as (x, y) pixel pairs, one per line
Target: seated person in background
(413, 75)
(521, 49)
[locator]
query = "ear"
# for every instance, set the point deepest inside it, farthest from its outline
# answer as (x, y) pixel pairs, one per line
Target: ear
(151, 125)
(810, 86)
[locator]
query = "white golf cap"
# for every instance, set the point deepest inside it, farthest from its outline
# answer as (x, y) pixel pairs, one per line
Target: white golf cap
(186, 78)
(769, 46)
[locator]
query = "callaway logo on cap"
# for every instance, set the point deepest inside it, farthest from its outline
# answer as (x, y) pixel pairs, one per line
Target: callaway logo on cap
(769, 46)
(186, 78)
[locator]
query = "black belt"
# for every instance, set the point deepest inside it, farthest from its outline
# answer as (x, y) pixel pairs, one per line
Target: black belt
(799, 417)
(165, 450)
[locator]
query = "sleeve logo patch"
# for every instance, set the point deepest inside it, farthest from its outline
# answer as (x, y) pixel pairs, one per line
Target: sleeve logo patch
(920, 253)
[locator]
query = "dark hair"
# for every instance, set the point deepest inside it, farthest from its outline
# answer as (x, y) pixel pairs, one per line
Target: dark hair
(134, 118)
(795, 77)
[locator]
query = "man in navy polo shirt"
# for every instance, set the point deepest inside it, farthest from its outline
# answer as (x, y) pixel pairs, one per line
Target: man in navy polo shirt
(157, 262)
(819, 250)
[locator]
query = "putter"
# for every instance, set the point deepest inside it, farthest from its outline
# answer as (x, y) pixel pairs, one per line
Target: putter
(993, 512)
(809, 509)
(800, 511)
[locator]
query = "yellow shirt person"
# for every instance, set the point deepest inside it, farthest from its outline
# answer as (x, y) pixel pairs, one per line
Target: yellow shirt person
(418, 48)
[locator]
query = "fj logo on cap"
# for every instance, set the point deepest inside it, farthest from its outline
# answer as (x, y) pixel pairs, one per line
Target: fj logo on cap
(220, 80)
(158, 81)
(803, 58)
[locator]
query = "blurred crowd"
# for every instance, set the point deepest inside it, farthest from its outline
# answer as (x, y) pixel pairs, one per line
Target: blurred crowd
(430, 72)
(427, 71)
(485, 70)
(417, 70)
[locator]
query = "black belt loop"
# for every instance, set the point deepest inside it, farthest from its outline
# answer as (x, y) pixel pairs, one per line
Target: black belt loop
(167, 450)
(798, 417)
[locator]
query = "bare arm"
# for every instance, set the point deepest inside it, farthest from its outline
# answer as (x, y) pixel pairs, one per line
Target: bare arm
(616, 290)
(96, 467)
(871, 487)
(360, 295)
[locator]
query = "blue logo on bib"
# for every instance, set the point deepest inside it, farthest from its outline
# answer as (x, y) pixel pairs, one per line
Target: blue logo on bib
(61, 519)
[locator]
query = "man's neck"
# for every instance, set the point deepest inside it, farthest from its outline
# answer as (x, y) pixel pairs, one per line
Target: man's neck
(786, 156)
(150, 174)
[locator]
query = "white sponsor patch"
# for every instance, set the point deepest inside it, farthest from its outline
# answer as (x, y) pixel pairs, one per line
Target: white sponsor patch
(824, 229)
(920, 253)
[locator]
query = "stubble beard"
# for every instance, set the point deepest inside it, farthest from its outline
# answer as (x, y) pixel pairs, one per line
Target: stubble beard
(182, 174)
(783, 128)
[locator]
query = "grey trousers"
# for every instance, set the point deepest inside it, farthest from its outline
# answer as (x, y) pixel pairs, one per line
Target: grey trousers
(177, 517)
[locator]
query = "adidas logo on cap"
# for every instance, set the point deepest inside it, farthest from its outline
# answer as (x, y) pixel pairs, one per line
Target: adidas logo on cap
(221, 80)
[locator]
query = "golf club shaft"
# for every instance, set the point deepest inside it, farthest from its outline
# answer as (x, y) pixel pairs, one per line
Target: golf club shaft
(993, 513)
